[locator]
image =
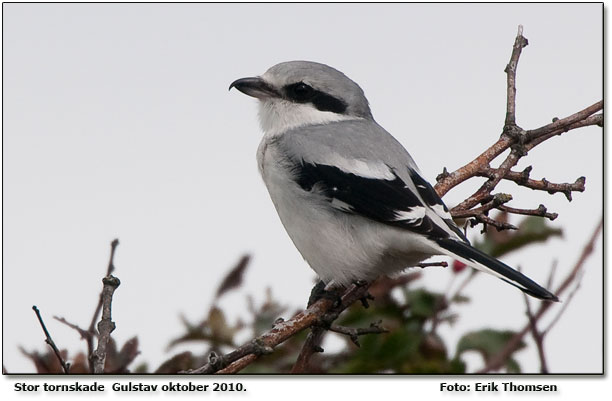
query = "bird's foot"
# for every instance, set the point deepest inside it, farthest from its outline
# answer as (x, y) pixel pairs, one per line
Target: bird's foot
(367, 296)
(319, 292)
(364, 300)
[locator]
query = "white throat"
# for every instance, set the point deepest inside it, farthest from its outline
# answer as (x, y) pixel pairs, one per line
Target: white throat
(277, 116)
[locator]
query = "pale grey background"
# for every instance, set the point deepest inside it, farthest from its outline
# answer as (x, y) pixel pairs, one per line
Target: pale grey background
(118, 123)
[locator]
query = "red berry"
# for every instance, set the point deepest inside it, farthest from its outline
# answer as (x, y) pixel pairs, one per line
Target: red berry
(458, 266)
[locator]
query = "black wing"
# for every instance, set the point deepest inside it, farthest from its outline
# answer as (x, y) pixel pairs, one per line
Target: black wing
(389, 201)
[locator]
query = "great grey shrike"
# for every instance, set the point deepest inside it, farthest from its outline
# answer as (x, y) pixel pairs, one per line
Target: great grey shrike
(349, 195)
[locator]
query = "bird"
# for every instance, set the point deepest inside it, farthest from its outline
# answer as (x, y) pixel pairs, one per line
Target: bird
(349, 195)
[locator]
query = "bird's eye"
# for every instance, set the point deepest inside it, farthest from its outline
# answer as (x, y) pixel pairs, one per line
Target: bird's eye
(300, 92)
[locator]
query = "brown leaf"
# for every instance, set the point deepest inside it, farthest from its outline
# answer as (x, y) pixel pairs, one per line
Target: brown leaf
(79, 364)
(120, 360)
(220, 330)
(234, 278)
(182, 361)
(46, 363)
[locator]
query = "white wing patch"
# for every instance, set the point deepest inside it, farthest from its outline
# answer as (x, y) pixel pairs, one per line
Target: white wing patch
(439, 209)
(373, 170)
(413, 214)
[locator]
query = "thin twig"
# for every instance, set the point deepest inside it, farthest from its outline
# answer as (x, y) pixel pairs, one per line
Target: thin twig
(485, 190)
(423, 265)
(540, 211)
(354, 333)
(562, 125)
(551, 275)
(496, 201)
(486, 220)
(49, 340)
(519, 43)
(463, 285)
(538, 336)
(82, 332)
(523, 179)
(568, 300)
(106, 325)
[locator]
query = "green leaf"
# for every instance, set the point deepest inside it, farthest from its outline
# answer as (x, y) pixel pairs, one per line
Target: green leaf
(423, 304)
(488, 343)
(460, 299)
(383, 352)
(531, 230)
(512, 366)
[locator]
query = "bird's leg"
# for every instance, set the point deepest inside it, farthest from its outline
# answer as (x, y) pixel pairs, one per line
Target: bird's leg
(320, 290)
(367, 296)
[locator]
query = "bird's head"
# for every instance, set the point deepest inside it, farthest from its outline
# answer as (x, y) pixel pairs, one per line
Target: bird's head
(299, 93)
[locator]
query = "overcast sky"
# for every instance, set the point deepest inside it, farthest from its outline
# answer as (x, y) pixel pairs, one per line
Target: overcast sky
(118, 124)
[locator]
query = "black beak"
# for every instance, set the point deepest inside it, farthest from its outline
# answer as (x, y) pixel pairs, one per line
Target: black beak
(254, 86)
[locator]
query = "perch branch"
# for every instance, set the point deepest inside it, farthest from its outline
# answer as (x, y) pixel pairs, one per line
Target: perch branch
(236, 360)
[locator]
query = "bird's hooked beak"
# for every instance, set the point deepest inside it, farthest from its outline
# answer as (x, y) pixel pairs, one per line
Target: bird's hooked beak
(255, 87)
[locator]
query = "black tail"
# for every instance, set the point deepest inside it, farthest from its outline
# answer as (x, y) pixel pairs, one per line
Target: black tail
(481, 261)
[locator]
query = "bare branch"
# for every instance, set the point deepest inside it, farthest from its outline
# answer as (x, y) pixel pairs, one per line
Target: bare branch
(49, 340)
(568, 300)
(354, 333)
(432, 264)
(520, 142)
(486, 220)
(496, 201)
(94, 318)
(311, 346)
(538, 337)
(447, 181)
(106, 325)
(551, 275)
(564, 124)
(519, 43)
(540, 211)
(480, 166)
(523, 179)
(83, 333)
